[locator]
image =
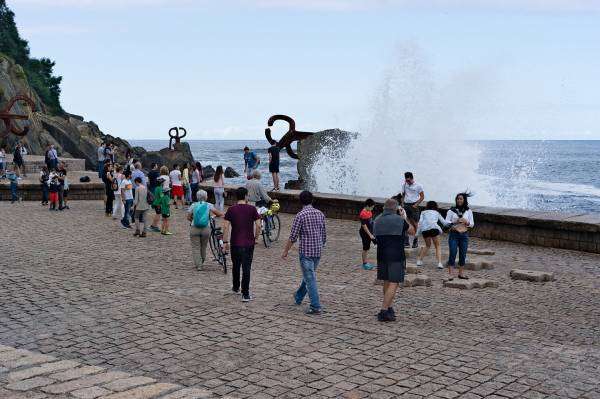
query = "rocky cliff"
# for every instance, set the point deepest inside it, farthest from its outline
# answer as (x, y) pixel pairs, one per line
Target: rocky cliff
(70, 134)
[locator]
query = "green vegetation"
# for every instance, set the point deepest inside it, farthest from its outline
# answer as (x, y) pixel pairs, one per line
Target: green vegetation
(39, 72)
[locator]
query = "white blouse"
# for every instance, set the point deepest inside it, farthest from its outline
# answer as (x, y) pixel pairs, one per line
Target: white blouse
(452, 217)
(429, 221)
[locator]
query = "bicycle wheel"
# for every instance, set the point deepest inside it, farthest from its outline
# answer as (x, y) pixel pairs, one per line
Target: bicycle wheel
(275, 227)
(223, 260)
(214, 245)
(265, 233)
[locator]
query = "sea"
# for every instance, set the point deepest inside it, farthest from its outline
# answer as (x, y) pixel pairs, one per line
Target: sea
(561, 176)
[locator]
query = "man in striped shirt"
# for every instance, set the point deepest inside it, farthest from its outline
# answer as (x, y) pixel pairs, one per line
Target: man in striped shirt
(308, 227)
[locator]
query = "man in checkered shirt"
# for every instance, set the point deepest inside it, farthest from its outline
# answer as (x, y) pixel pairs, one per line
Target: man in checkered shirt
(309, 227)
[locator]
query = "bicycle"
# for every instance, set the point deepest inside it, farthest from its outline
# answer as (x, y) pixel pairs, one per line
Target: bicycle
(271, 224)
(216, 244)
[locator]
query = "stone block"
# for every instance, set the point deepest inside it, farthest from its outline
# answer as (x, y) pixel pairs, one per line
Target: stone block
(189, 393)
(85, 382)
(90, 393)
(128, 383)
(481, 251)
(531, 275)
(413, 269)
(415, 280)
(31, 383)
(470, 283)
(145, 392)
(79, 372)
(40, 370)
(28, 361)
(479, 265)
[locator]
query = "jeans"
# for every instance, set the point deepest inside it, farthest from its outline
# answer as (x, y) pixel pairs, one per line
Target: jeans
(100, 168)
(187, 193)
(241, 257)
(110, 197)
(458, 242)
(194, 187)
(309, 281)
(127, 215)
(220, 198)
(199, 237)
(44, 193)
(13, 191)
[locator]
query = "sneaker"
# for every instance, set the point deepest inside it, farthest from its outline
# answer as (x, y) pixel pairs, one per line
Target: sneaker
(166, 233)
(155, 229)
(137, 233)
(246, 298)
(391, 314)
(419, 263)
(440, 266)
(312, 311)
(384, 315)
(143, 234)
(460, 276)
(368, 266)
(236, 292)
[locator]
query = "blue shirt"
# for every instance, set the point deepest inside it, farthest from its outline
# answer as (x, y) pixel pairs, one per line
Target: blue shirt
(250, 159)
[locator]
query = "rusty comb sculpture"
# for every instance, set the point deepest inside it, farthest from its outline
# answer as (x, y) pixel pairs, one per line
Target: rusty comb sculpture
(288, 138)
(176, 136)
(7, 117)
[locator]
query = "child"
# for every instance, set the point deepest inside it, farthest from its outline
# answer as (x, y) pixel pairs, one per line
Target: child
(127, 197)
(54, 187)
(14, 185)
(366, 232)
(165, 212)
(140, 206)
(430, 229)
(44, 180)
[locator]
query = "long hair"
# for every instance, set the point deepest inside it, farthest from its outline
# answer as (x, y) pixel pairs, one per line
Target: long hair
(465, 205)
(199, 167)
(218, 173)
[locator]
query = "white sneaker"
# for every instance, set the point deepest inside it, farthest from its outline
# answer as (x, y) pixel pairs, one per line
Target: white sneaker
(440, 266)
(419, 263)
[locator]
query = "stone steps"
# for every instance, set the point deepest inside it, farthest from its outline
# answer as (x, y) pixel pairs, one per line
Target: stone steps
(34, 163)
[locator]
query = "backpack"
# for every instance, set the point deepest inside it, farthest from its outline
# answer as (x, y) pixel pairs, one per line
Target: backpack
(201, 214)
(149, 197)
(115, 184)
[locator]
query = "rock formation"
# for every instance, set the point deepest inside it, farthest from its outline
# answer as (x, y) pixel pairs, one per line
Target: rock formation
(70, 134)
(332, 142)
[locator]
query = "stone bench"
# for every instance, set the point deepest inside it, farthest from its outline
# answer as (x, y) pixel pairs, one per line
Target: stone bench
(531, 275)
(470, 283)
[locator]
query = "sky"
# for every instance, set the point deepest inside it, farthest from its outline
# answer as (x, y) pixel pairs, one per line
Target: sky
(512, 69)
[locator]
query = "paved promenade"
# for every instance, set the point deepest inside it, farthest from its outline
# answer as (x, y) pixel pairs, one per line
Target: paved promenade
(87, 310)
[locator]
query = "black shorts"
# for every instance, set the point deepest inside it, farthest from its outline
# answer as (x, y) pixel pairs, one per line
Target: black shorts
(366, 240)
(431, 233)
(157, 210)
(391, 271)
(274, 167)
(412, 214)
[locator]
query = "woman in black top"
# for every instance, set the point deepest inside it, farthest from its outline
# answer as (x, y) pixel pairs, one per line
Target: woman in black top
(107, 178)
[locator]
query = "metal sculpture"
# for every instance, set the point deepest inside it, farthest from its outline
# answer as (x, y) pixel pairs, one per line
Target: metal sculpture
(288, 138)
(7, 117)
(176, 136)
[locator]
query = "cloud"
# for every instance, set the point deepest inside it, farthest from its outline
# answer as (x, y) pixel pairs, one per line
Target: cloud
(340, 5)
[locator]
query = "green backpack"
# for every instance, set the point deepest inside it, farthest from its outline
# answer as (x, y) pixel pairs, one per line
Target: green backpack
(201, 214)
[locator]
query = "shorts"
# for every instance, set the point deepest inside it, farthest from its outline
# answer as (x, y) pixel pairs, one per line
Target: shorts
(391, 271)
(366, 240)
(53, 197)
(157, 210)
(165, 216)
(140, 215)
(431, 233)
(274, 167)
(177, 191)
(65, 193)
(412, 214)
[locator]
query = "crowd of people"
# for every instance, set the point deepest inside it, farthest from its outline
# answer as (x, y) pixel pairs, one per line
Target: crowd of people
(132, 193)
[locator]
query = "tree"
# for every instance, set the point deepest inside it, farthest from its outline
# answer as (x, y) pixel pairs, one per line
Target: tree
(39, 72)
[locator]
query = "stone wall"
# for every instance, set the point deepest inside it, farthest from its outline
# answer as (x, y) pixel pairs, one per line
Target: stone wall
(576, 231)
(77, 191)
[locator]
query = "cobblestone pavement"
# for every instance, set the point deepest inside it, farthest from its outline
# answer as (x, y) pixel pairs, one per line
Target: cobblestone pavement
(75, 286)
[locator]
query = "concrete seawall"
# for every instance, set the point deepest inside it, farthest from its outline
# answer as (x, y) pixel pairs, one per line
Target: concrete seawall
(575, 231)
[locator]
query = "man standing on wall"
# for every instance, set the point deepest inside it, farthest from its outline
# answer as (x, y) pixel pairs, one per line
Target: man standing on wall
(101, 158)
(413, 195)
(251, 162)
(274, 164)
(309, 227)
